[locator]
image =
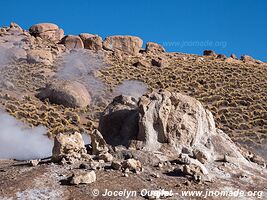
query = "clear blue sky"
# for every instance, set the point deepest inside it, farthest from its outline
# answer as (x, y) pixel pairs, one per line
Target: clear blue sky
(190, 26)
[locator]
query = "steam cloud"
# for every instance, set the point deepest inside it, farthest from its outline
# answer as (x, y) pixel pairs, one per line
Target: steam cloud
(82, 65)
(132, 88)
(17, 141)
(21, 143)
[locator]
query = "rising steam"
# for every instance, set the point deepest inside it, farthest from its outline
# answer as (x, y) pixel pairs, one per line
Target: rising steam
(82, 65)
(132, 88)
(22, 143)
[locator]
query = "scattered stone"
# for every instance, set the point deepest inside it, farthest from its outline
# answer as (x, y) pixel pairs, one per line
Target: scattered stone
(82, 177)
(68, 146)
(127, 44)
(14, 26)
(72, 42)
(67, 93)
(132, 164)
(92, 42)
(39, 56)
(33, 163)
(157, 62)
(233, 56)
(107, 157)
(221, 56)
(209, 53)
(187, 150)
(154, 48)
(98, 143)
(246, 58)
(116, 165)
(141, 63)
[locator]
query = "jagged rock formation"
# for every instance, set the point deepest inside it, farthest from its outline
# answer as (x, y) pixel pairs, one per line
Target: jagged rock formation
(127, 44)
(167, 118)
(118, 123)
(69, 146)
(92, 42)
(47, 31)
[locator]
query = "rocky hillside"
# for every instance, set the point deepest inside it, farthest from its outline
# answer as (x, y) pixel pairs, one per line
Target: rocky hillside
(156, 119)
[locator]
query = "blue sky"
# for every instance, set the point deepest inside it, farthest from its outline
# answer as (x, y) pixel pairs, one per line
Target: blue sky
(190, 26)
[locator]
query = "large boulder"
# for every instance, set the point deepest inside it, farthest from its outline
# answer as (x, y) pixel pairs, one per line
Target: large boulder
(119, 121)
(47, 31)
(154, 48)
(72, 42)
(182, 122)
(68, 146)
(209, 53)
(92, 42)
(39, 56)
(67, 93)
(167, 121)
(127, 44)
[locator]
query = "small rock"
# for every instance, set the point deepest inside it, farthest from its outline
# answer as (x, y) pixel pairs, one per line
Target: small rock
(107, 157)
(132, 164)
(116, 165)
(233, 56)
(209, 53)
(98, 143)
(154, 48)
(221, 56)
(157, 62)
(83, 178)
(34, 163)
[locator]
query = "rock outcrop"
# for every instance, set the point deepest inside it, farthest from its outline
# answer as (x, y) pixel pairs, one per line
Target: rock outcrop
(118, 123)
(47, 31)
(68, 146)
(67, 93)
(92, 42)
(127, 44)
(165, 118)
(209, 53)
(154, 48)
(72, 42)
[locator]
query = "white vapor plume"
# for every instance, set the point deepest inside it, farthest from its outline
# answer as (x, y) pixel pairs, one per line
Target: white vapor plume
(81, 65)
(20, 142)
(132, 88)
(5, 56)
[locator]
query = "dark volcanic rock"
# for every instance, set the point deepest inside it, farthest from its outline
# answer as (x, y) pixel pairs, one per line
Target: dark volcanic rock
(119, 122)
